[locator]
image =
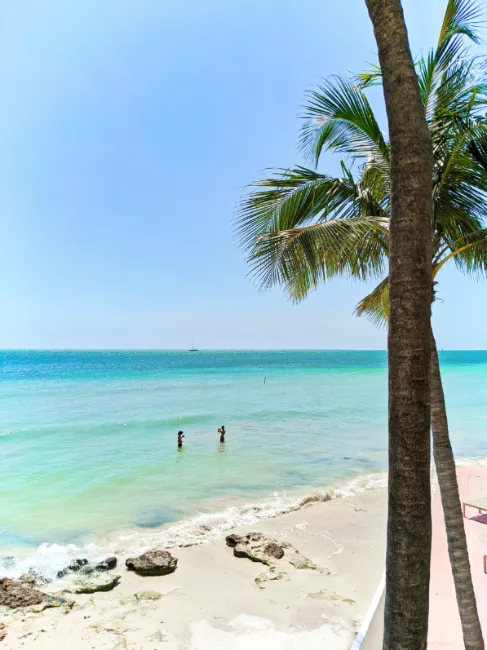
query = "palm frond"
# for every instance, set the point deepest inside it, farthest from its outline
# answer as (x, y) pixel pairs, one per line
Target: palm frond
(295, 197)
(460, 27)
(302, 258)
(477, 146)
(469, 254)
(339, 117)
(462, 18)
(290, 199)
(371, 78)
(375, 306)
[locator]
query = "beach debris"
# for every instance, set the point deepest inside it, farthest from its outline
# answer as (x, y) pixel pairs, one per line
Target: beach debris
(92, 584)
(148, 595)
(326, 594)
(86, 568)
(267, 576)
(53, 601)
(15, 594)
(113, 627)
(3, 631)
(153, 563)
(160, 636)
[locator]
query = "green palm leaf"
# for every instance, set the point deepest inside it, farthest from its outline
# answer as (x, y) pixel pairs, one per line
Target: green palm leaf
(301, 228)
(375, 306)
(302, 258)
(339, 117)
(294, 197)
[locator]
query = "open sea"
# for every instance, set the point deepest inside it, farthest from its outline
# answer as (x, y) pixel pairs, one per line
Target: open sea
(88, 441)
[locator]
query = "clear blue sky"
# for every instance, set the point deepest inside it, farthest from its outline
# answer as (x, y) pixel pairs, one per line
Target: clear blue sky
(128, 130)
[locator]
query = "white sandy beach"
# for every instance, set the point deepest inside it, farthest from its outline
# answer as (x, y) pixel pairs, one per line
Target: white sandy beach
(213, 602)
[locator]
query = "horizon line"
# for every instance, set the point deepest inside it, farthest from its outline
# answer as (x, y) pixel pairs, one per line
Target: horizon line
(223, 350)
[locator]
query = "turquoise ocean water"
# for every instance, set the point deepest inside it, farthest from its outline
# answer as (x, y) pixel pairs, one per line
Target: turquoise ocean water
(88, 439)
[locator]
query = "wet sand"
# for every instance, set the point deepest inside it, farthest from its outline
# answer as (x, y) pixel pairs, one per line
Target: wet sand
(212, 600)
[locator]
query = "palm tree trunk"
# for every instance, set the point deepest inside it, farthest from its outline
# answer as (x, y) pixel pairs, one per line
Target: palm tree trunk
(409, 338)
(452, 509)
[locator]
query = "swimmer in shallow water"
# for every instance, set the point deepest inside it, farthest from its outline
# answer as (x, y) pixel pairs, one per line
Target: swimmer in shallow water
(180, 438)
(222, 433)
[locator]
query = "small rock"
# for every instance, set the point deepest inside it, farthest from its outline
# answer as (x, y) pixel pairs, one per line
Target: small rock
(86, 568)
(232, 540)
(148, 595)
(152, 563)
(74, 567)
(53, 601)
(107, 565)
(93, 584)
(29, 578)
(79, 563)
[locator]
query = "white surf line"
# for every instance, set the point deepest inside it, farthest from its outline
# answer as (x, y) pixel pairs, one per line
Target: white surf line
(364, 628)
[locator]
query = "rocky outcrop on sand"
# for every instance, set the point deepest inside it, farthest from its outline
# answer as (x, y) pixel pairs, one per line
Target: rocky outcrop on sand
(153, 563)
(276, 555)
(16, 594)
(260, 548)
(93, 583)
(255, 547)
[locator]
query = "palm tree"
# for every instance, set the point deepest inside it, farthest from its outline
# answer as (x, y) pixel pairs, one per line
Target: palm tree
(302, 227)
(408, 346)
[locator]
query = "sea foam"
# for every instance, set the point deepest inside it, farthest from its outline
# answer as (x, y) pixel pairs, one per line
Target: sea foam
(48, 559)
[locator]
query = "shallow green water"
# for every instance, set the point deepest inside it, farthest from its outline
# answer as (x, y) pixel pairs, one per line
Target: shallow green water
(88, 439)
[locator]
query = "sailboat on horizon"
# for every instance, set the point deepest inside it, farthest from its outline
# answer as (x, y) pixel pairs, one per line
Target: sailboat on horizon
(192, 348)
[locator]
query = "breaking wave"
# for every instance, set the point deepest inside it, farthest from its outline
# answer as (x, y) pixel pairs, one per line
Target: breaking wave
(49, 559)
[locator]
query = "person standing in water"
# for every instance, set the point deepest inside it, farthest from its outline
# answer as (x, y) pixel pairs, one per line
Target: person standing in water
(222, 433)
(180, 439)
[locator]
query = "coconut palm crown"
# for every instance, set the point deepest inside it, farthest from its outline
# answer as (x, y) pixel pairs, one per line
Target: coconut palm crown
(301, 227)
